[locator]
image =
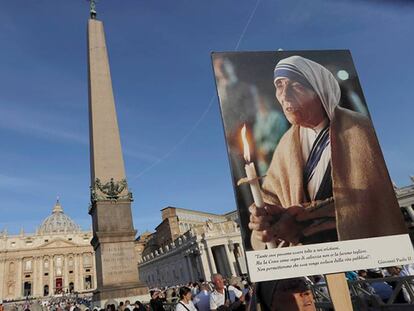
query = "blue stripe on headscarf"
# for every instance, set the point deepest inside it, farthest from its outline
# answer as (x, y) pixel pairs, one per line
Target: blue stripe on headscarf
(290, 72)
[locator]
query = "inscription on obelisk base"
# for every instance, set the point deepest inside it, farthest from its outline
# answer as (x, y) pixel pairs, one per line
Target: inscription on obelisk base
(113, 230)
(116, 259)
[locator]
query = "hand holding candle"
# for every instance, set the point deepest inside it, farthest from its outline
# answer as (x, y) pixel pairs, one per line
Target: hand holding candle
(252, 178)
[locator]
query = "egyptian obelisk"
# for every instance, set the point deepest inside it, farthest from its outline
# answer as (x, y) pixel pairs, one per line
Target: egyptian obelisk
(113, 230)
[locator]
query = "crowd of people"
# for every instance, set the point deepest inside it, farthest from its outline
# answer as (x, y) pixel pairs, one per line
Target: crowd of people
(53, 303)
(239, 294)
(219, 294)
(290, 294)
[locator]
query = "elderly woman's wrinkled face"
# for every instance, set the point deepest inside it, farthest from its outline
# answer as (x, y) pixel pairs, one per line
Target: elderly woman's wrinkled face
(300, 104)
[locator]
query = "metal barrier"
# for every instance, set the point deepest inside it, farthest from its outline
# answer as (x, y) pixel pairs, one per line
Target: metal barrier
(363, 299)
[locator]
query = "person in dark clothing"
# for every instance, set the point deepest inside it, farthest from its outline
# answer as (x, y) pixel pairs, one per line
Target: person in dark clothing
(156, 302)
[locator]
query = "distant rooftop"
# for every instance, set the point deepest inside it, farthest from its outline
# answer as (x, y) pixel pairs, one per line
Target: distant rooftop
(195, 211)
(405, 190)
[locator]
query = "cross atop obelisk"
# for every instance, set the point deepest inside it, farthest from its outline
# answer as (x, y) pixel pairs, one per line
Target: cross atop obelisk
(92, 9)
(113, 230)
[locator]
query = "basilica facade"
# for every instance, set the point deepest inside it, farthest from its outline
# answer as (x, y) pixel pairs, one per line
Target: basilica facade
(57, 258)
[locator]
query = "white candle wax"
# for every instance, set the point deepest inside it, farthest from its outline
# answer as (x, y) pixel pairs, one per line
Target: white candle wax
(254, 184)
(257, 195)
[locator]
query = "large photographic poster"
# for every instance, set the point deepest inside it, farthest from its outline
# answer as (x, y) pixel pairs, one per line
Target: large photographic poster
(313, 193)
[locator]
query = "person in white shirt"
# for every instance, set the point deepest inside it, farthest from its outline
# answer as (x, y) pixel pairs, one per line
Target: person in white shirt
(220, 296)
(185, 303)
(128, 306)
(234, 289)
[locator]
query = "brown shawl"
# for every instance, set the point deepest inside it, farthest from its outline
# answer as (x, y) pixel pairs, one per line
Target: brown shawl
(365, 202)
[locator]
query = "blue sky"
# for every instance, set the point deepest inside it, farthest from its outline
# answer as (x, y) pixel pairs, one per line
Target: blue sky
(164, 89)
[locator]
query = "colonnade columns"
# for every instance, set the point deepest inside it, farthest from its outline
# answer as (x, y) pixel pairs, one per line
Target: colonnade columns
(2, 277)
(65, 273)
(410, 212)
(190, 268)
(241, 249)
(37, 279)
(205, 262)
(81, 272)
(51, 279)
(93, 285)
(41, 275)
(33, 281)
(77, 272)
(213, 268)
(231, 259)
(200, 272)
(240, 261)
(19, 283)
(243, 260)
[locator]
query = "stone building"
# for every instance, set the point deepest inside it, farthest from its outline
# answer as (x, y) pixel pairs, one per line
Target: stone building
(189, 245)
(57, 258)
(405, 196)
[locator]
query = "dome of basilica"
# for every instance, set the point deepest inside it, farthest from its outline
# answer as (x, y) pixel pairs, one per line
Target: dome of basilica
(58, 222)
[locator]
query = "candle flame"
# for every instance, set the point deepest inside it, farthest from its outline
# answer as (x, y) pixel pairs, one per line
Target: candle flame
(246, 148)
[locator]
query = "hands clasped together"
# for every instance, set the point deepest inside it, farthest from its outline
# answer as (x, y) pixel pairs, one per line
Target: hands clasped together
(276, 223)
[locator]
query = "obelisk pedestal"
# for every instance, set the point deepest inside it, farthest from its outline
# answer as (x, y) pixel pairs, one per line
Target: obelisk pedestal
(113, 230)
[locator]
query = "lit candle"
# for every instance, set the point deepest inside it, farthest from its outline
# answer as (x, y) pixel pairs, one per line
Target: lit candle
(252, 178)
